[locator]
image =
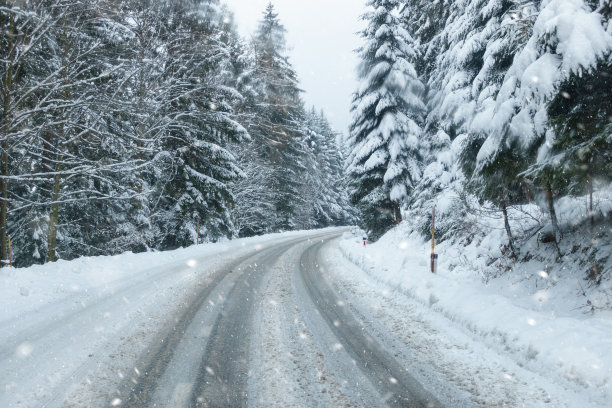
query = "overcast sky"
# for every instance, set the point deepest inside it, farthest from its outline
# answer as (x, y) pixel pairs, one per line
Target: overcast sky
(321, 35)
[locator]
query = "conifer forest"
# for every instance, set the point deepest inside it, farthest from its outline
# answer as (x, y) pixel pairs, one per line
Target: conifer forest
(142, 125)
(478, 106)
(137, 125)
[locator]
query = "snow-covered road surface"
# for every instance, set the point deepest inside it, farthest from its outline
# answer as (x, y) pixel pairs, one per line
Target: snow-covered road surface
(394, 382)
(197, 331)
(205, 359)
(277, 321)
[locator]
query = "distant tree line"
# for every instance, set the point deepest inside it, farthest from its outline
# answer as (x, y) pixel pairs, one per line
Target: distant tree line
(129, 124)
(501, 100)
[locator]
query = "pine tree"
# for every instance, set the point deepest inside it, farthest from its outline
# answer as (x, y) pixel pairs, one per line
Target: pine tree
(201, 124)
(280, 115)
(550, 56)
(383, 163)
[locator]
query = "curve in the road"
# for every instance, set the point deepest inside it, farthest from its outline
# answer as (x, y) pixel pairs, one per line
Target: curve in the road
(222, 378)
(224, 370)
(393, 382)
(222, 375)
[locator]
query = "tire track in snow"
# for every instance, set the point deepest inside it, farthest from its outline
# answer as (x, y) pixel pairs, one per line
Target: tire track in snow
(396, 386)
(141, 389)
(206, 370)
(288, 367)
(224, 373)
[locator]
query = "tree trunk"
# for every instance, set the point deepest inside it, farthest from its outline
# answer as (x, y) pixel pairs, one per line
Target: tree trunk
(6, 90)
(54, 216)
(141, 127)
(591, 200)
(57, 178)
(553, 216)
(4, 209)
(504, 208)
(397, 212)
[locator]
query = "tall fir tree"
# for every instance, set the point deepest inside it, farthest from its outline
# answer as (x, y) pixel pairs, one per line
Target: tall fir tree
(326, 176)
(384, 160)
(280, 115)
(201, 124)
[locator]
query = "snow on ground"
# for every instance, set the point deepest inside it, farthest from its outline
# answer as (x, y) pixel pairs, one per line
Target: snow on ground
(528, 320)
(64, 323)
(474, 338)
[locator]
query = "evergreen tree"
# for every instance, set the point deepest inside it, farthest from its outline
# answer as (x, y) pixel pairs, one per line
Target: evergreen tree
(135, 95)
(280, 115)
(384, 159)
(581, 153)
(519, 116)
(331, 206)
(200, 125)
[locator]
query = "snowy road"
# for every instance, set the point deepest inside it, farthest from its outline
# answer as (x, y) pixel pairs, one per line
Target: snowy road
(258, 326)
(393, 382)
(276, 321)
(206, 359)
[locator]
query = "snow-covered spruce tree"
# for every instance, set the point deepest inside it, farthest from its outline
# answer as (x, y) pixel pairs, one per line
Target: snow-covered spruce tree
(252, 194)
(484, 37)
(135, 38)
(331, 205)
(425, 21)
(498, 180)
(316, 176)
(464, 61)
(580, 114)
(383, 163)
(288, 179)
(567, 38)
(200, 125)
(253, 207)
(278, 116)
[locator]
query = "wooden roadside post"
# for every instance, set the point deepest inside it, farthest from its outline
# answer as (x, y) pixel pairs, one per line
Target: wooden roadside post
(434, 256)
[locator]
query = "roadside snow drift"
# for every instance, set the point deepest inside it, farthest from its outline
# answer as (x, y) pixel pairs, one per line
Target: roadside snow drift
(530, 315)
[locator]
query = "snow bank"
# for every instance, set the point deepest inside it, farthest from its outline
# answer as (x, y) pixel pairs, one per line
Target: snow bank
(24, 290)
(538, 312)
